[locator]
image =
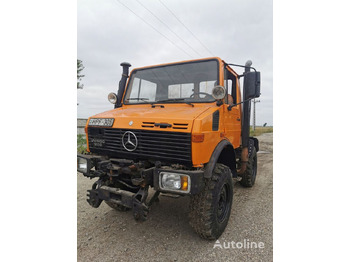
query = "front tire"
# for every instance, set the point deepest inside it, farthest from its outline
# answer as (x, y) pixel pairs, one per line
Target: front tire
(210, 210)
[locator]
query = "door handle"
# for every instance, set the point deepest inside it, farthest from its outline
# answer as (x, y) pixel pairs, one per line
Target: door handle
(238, 119)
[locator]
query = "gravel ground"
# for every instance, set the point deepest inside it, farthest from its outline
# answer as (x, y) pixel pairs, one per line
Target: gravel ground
(108, 235)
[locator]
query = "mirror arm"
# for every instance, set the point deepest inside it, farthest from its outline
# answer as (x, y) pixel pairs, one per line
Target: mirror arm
(241, 66)
(229, 108)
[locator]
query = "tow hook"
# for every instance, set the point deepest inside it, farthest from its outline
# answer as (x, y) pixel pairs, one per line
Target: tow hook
(139, 208)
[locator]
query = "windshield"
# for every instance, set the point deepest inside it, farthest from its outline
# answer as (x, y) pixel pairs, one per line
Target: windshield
(179, 83)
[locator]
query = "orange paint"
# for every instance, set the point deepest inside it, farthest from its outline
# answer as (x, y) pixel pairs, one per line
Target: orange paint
(182, 117)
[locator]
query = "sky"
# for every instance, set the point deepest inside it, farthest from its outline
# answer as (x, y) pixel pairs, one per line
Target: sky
(152, 32)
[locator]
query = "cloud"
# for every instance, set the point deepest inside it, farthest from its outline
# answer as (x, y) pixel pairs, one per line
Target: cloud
(108, 34)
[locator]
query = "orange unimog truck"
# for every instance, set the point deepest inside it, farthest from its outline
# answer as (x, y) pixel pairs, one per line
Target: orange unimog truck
(180, 128)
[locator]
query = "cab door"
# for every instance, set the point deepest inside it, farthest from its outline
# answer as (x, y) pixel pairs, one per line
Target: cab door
(232, 118)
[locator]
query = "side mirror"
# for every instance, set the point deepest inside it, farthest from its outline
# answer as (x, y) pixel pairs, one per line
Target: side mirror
(251, 85)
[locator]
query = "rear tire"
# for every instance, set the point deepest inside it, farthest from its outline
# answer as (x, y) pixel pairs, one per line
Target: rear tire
(210, 210)
(249, 176)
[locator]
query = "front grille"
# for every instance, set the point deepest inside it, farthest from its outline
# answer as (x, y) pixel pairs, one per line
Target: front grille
(174, 125)
(171, 147)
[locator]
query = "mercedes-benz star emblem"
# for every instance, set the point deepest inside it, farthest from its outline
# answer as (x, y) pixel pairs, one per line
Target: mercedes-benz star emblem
(129, 141)
(130, 123)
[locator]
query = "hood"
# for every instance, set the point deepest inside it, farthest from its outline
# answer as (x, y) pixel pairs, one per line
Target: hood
(172, 117)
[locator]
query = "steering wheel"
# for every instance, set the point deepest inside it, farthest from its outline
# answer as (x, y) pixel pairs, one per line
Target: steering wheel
(201, 93)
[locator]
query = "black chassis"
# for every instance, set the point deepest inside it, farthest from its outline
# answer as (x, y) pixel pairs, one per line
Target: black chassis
(142, 175)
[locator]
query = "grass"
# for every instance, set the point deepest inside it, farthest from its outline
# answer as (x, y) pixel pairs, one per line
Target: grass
(261, 130)
(81, 144)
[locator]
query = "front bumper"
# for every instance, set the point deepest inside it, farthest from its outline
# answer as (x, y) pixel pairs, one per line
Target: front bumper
(98, 166)
(111, 194)
(141, 178)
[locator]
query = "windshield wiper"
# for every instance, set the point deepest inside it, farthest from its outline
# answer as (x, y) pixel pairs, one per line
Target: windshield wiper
(170, 100)
(138, 98)
(173, 100)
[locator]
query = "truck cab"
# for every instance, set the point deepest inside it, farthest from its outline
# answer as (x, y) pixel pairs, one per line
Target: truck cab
(179, 128)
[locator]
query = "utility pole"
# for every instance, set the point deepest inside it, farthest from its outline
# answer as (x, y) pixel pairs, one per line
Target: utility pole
(254, 101)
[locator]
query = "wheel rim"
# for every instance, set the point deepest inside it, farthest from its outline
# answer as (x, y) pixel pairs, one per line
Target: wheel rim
(223, 204)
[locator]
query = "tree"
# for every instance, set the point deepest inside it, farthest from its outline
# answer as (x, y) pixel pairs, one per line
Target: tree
(80, 68)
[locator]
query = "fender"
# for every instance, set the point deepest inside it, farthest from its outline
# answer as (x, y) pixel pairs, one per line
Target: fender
(223, 153)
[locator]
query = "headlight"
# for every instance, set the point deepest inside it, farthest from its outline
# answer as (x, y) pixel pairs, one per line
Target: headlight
(112, 97)
(174, 182)
(101, 121)
(219, 92)
(83, 165)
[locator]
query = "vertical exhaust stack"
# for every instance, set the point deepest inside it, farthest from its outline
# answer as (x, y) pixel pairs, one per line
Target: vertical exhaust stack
(245, 124)
(246, 111)
(122, 83)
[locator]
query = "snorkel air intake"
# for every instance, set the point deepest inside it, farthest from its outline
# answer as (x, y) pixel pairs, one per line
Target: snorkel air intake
(122, 83)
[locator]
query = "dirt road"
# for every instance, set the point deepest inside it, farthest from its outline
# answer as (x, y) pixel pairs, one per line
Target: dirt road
(108, 235)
